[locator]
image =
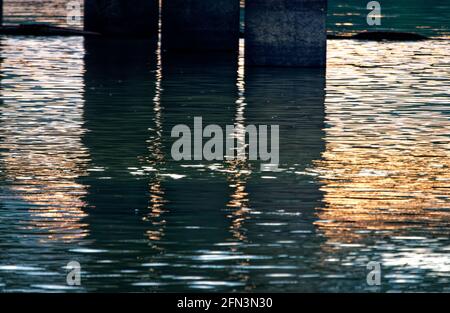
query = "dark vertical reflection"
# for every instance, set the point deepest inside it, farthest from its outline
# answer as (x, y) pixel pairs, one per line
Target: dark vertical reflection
(195, 192)
(119, 118)
(294, 100)
(199, 86)
(283, 203)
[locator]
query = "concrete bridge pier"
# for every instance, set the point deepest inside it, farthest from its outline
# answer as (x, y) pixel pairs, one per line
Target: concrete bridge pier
(285, 33)
(122, 17)
(200, 25)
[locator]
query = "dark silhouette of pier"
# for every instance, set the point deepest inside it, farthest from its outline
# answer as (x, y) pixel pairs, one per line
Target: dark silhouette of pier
(278, 32)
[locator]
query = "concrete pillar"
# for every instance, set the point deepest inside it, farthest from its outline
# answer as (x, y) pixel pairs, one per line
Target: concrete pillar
(286, 33)
(122, 17)
(200, 25)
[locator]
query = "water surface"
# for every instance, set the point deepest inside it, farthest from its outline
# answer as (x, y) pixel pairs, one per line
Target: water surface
(86, 172)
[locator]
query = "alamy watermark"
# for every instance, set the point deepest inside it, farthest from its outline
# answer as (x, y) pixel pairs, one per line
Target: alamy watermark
(374, 276)
(73, 277)
(374, 16)
(227, 144)
(74, 13)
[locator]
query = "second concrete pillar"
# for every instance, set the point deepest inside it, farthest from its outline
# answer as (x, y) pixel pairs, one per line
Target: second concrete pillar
(200, 25)
(285, 33)
(122, 17)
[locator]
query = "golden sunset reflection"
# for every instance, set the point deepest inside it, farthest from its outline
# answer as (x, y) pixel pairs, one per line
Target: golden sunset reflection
(156, 158)
(41, 120)
(238, 170)
(386, 167)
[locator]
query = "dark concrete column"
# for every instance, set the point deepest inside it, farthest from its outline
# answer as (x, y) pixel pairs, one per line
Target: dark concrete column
(122, 17)
(200, 25)
(286, 33)
(1, 12)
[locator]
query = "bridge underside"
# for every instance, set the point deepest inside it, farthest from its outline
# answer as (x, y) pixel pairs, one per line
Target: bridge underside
(200, 25)
(277, 32)
(285, 32)
(122, 17)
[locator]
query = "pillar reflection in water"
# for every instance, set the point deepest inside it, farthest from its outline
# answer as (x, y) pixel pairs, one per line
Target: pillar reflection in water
(294, 100)
(202, 86)
(196, 192)
(121, 121)
(283, 203)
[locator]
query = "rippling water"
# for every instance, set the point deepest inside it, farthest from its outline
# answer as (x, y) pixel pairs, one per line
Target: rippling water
(86, 172)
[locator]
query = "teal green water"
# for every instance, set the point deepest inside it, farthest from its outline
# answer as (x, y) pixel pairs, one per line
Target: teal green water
(429, 18)
(86, 172)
